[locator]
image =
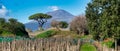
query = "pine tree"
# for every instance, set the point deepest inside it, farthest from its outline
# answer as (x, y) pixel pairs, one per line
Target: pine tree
(40, 18)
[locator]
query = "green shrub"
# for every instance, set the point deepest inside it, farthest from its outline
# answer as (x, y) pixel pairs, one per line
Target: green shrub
(108, 44)
(63, 24)
(87, 47)
(46, 34)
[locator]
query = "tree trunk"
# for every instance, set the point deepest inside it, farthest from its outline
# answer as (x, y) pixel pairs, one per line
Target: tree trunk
(115, 45)
(41, 23)
(40, 28)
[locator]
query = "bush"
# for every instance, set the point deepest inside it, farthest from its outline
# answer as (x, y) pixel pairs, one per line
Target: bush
(63, 24)
(108, 44)
(46, 34)
(87, 47)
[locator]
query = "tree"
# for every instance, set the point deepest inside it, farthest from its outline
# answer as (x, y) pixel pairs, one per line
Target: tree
(55, 24)
(13, 21)
(103, 18)
(63, 24)
(2, 21)
(78, 24)
(40, 18)
(12, 26)
(59, 24)
(93, 20)
(21, 30)
(2, 24)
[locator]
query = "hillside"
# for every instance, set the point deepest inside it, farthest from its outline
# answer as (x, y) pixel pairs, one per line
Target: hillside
(53, 33)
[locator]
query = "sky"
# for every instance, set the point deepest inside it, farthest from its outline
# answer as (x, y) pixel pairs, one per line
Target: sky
(22, 9)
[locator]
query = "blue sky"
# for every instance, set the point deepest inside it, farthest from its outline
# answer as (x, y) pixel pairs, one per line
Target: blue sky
(22, 9)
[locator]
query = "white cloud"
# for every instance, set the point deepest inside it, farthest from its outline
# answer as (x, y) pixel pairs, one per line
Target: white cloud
(54, 8)
(3, 11)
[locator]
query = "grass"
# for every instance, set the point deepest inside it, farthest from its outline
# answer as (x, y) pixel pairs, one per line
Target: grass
(87, 47)
(66, 34)
(6, 34)
(86, 37)
(46, 34)
(58, 34)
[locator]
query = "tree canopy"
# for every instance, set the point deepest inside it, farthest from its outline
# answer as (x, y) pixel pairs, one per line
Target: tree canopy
(40, 18)
(12, 20)
(103, 17)
(2, 20)
(12, 26)
(59, 24)
(63, 24)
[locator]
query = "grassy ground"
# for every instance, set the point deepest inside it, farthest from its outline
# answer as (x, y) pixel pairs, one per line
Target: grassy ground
(57, 34)
(87, 47)
(7, 34)
(46, 34)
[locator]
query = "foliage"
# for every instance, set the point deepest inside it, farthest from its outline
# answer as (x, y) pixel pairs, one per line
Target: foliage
(2, 21)
(108, 44)
(12, 27)
(12, 21)
(63, 24)
(2, 24)
(40, 18)
(59, 24)
(78, 24)
(46, 34)
(88, 47)
(103, 17)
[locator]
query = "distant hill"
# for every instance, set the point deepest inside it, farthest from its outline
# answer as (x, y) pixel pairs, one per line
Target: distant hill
(60, 15)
